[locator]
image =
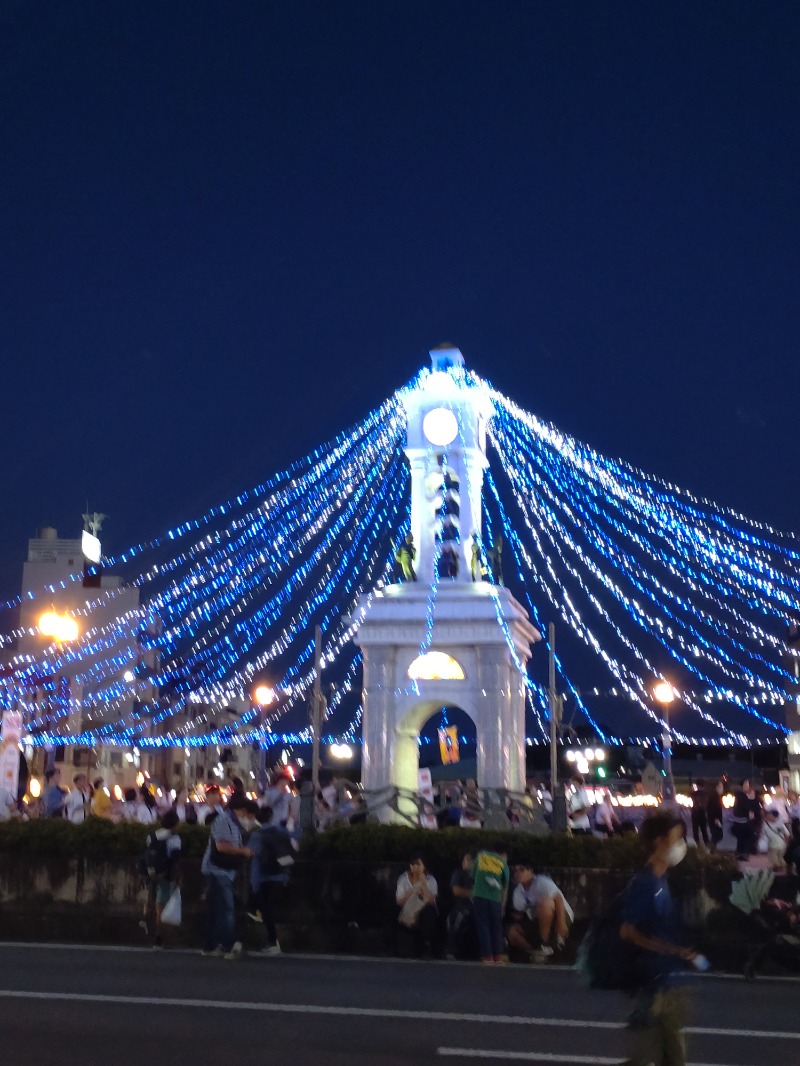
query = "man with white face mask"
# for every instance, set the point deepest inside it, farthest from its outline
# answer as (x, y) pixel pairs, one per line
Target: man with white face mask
(650, 923)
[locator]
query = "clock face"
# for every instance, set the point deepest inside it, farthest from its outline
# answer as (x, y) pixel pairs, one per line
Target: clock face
(440, 427)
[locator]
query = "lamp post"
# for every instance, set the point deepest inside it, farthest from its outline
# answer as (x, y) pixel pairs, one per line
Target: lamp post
(665, 695)
(264, 697)
(58, 629)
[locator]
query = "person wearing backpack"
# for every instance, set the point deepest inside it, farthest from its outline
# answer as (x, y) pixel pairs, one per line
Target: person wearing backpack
(224, 855)
(650, 925)
(161, 870)
(273, 858)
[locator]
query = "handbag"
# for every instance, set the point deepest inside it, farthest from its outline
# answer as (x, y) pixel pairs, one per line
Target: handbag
(172, 912)
(411, 910)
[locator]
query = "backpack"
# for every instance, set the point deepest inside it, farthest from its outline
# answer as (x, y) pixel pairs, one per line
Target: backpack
(604, 958)
(276, 852)
(156, 862)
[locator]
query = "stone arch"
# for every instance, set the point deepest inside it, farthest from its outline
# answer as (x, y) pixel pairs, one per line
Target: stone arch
(408, 729)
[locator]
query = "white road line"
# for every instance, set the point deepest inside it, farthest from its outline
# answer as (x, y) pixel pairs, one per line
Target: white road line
(310, 1008)
(535, 1056)
(524, 1056)
(371, 1012)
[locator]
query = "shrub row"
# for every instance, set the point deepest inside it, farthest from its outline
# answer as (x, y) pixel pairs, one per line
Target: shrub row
(99, 839)
(446, 848)
(93, 839)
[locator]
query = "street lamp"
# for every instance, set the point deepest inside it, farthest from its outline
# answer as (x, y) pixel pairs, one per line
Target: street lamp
(59, 627)
(664, 693)
(264, 697)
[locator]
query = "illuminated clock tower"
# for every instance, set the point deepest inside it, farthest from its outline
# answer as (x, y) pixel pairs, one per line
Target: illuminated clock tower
(443, 639)
(446, 450)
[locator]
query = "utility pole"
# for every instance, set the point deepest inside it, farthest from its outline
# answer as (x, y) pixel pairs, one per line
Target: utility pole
(559, 816)
(316, 709)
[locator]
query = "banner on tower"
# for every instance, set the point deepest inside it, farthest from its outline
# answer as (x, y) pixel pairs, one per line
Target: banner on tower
(448, 744)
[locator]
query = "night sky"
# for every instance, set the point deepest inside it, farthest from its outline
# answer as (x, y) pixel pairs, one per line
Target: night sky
(231, 229)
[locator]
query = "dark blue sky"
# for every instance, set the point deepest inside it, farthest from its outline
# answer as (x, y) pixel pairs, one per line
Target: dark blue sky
(230, 229)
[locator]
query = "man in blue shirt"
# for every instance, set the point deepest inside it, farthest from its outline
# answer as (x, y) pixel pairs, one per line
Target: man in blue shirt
(223, 856)
(650, 924)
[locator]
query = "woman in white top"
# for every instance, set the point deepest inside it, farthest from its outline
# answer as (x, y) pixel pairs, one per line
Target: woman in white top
(146, 811)
(416, 897)
(605, 817)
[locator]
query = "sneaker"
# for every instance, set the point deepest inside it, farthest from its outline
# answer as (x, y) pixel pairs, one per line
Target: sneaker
(236, 952)
(560, 943)
(217, 953)
(537, 956)
(546, 950)
(272, 949)
(255, 916)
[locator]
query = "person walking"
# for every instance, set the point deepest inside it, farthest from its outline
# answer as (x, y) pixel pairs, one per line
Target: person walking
(54, 795)
(77, 802)
(579, 806)
(699, 814)
(489, 893)
(273, 858)
(650, 924)
(746, 820)
(223, 856)
(161, 870)
(714, 814)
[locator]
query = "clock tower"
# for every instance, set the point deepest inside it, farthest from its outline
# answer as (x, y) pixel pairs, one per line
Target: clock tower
(444, 639)
(446, 450)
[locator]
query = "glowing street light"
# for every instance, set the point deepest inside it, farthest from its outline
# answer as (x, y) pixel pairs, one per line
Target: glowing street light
(264, 696)
(59, 627)
(665, 694)
(341, 751)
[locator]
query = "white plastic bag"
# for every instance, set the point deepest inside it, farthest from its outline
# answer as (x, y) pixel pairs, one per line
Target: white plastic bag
(171, 915)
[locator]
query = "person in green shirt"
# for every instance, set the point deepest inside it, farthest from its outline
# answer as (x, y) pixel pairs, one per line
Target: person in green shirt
(489, 899)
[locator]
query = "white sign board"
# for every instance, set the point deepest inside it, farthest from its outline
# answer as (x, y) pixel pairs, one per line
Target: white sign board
(425, 785)
(9, 751)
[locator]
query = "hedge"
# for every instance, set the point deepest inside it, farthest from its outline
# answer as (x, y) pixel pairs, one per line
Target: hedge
(392, 843)
(95, 838)
(99, 839)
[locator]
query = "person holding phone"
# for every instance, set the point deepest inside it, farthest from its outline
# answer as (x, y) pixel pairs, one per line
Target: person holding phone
(650, 923)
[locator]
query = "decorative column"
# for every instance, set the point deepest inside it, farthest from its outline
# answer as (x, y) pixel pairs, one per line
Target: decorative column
(378, 723)
(500, 754)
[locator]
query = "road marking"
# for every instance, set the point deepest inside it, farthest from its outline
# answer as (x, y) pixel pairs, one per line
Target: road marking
(524, 1056)
(372, 1012)
(535, 1056)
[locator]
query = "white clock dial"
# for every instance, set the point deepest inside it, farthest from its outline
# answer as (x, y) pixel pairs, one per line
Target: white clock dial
(440, 427)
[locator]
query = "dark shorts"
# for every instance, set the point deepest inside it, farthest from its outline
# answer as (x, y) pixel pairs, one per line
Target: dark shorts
(159, 891)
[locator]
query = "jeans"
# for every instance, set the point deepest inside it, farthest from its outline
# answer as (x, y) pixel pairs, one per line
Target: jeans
(220, 913)
(489, 924)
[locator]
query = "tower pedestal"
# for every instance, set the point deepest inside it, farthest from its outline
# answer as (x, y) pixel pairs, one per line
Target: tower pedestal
(490, 690)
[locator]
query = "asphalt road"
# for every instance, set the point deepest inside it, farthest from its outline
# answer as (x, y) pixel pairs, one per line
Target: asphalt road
(122, 1007)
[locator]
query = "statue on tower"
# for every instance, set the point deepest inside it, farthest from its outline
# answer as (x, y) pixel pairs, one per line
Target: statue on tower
(477, 567)
(405, 556)
(496, 560)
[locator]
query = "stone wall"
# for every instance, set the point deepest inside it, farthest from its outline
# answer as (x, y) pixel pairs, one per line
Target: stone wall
(331, 906)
